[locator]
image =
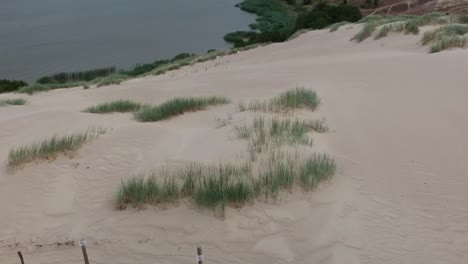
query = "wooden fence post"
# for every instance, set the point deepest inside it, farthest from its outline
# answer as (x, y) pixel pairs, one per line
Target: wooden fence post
(20, 255)
(83, 249)
(199, 255)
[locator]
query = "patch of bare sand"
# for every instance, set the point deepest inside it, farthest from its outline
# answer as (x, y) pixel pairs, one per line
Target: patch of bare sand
(398, 134)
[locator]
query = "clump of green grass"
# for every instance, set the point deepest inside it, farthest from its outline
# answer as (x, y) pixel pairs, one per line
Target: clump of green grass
(391, 27)
(448, 42)
(412, 26)
(176, 107)
(462, 19)
(297, 98)
(336, 26)
(289, 100)
(109, 80)
(16, 101)
(138, 191)
(80, 76)
(366, 31)
(315, 169)
(445, 37)
(389, 24)
(215, 187)
(50, 148)
(37, 87)
(121, 106)
(298, 33)
(267, 133)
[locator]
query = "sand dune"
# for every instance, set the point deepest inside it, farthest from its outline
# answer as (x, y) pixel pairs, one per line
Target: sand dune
(398, 133)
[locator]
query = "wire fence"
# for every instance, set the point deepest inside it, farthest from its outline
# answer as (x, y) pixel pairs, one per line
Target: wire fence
(95, 255)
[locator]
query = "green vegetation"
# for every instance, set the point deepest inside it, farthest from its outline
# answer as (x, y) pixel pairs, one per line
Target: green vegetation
(80, 76)
(336, 26)
(289, 100)
(268, 134)
(121, 106)
(140, 69)
(10, 86)
(176, 107)
(49, 148)
(271, 169)
(156, 68)
(445, 37)
(17, 101)
(451, 33)
(138, 191)
(323, 15)
(215, 187)
(275, 23)
(316, 169)
(265, 133)
(111, 79)
(279, 21)
(398, 26)
(37, 87)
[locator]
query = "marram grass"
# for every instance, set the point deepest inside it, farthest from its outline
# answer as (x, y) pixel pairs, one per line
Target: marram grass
(50, 148)
(452, 30)
(215, 187)
(16, 101)
(177, 106)
(266, 134)
(289, 100)
(121, 106)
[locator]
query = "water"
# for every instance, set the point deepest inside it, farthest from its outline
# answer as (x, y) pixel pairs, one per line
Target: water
(40, 37)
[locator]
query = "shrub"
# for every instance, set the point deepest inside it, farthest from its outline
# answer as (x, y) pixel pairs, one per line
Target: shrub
(49, 148)
(275, 23)
(176, 107)
(324, 15)
(121, 106)
(10, 86)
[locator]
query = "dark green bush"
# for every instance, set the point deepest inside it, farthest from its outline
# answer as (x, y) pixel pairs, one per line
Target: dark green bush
(275, 23)
(10, 86)
(324, 15)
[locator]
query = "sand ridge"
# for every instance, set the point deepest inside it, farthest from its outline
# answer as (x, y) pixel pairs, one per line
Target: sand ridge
(397, 132)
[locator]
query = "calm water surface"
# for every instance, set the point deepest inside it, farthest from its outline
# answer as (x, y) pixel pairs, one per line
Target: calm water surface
(39, 37)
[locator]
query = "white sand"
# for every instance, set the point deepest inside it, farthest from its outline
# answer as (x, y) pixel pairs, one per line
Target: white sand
(399, 134)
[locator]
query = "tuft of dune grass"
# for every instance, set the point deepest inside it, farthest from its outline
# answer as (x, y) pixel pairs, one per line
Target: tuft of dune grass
(289, 100)
(37, 87)
(111, 79)
(177, 106)
(407, 23)
(214, 187)
(366, 31)
(16, 101)
(121, 106)
(445, 37)
(50, 148)
(336, 26)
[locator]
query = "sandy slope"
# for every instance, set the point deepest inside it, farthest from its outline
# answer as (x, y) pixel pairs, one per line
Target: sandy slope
(398, 117)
